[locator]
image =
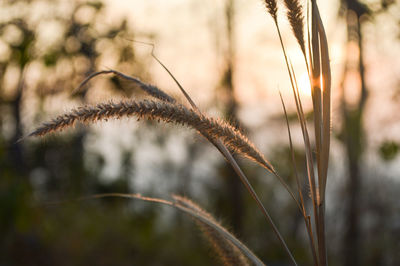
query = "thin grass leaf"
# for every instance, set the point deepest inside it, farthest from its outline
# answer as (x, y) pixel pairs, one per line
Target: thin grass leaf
(314, 193)
(325, 142)
(316, 88)
(299, 188)
(302, 120)
(148, 88)
(292, 83)
(326, 102)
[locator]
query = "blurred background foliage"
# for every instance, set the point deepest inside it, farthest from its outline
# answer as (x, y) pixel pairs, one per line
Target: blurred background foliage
(48, 47)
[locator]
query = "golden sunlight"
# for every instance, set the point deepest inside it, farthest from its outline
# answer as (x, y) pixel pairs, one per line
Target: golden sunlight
(304, 84)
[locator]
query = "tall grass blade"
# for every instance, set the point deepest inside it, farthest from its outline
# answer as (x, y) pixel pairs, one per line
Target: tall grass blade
(325, 142)
(326, 104)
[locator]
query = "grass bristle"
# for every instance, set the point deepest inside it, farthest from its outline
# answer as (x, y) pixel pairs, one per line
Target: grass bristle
(296, 20)
(227, 252)
(272, 8)
(209, 127)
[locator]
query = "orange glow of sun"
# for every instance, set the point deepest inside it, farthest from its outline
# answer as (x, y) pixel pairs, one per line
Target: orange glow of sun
(304, 85)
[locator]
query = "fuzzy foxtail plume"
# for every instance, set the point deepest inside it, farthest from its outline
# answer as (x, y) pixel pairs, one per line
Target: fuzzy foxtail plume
(272, 9)
(296, 19)
(227, 252)
(210, 128)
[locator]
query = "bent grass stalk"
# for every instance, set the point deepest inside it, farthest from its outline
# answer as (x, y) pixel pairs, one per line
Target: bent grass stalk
(227, 252)
(227, 139)
(231, 249)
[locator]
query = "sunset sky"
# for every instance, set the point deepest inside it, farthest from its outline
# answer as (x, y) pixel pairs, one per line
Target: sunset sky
(189, 36)
(189, 40)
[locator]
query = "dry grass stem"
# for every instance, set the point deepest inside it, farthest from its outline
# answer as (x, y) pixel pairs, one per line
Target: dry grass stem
(148, 88)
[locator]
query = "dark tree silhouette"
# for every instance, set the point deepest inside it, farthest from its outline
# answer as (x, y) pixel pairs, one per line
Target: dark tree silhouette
(352, 133)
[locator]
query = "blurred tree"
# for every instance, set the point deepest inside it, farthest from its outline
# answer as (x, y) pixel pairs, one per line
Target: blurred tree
(352, 133)
(48, 47)
(227, 89)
